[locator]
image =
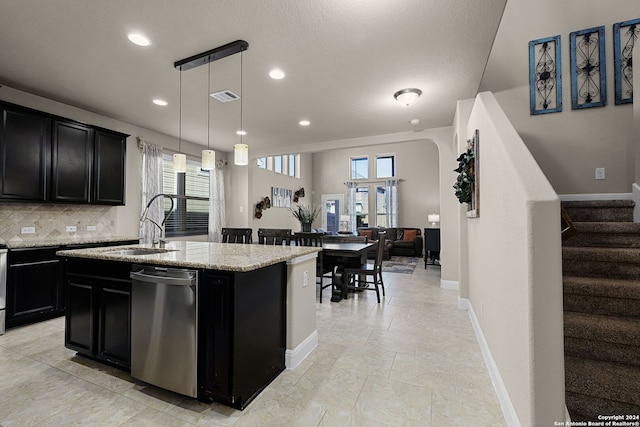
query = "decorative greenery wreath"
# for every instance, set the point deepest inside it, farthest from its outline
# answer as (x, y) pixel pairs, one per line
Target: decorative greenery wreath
(466, 176)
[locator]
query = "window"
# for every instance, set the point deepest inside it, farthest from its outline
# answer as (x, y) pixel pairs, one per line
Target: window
(287, 164)
(359, 168)
(277, 164)
(292, 165)
(362, 207)
(385, 166)
(381, 207)
(191, 214)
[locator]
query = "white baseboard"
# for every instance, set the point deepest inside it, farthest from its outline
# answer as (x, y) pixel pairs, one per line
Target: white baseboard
(508, 410)
(293, 358)
(595, 196)
(450, 285)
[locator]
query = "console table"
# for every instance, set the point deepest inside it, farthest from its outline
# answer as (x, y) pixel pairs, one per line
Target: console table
(431, 247)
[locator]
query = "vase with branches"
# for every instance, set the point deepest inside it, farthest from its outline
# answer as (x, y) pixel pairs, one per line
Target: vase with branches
(305, 215)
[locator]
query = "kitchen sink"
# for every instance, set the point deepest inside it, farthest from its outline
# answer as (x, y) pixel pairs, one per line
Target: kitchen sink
(140, 251)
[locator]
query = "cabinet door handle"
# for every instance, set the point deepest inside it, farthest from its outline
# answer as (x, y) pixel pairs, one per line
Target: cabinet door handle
(35, 263)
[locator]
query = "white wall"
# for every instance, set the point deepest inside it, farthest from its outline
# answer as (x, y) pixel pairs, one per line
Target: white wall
(261, 182)
(416, 165)
(568, 145)
(514, 271)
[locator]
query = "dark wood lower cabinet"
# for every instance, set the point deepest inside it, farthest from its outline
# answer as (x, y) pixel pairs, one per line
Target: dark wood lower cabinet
(241, 324)
(35, 282)
(34, 286)
(98, 314)
(242, 333)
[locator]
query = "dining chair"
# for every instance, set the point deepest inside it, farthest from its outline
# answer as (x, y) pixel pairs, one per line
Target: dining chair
(345, 239)
(315, 240)
(274, 236)
(237, 235)
(367, 276)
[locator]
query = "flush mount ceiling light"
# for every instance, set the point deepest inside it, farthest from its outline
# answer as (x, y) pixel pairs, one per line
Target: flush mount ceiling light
(407, 96)
(276, 74)
(138, 39)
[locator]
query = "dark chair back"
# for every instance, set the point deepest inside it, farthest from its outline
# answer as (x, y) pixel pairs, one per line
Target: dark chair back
(345, 239)
(379, 250)
(237, 235)
(274, 236)
(308, 239)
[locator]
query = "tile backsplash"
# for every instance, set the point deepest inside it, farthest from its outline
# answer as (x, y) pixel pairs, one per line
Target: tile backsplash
(51, 221)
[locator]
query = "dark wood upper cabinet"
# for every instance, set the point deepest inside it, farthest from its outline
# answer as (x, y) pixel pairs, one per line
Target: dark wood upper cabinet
(109, 168)
(71, 159)
(45, 158)
(24, 154)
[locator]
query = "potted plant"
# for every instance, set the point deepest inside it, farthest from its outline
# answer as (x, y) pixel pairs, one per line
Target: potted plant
(306, 215)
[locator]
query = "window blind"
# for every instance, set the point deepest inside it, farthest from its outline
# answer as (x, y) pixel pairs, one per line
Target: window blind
(191, 192)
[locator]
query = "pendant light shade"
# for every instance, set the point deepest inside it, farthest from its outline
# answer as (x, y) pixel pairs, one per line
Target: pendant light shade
(241, 154)
(208, 160)
(179, 163)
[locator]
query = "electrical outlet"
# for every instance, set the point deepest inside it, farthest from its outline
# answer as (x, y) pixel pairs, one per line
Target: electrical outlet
(71, 228)
(599, 173)
(91, 228)
(27, 230)
(305, 279)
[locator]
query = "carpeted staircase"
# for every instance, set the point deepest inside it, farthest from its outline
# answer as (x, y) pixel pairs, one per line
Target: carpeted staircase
(601, 269)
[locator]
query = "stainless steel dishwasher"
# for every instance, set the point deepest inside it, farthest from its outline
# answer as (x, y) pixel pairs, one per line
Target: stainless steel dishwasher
(164, 328)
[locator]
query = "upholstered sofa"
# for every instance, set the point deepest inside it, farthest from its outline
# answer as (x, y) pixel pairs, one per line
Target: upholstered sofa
(397, 243)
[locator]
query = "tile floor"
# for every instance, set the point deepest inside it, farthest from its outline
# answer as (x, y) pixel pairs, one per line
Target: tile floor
(411, 361)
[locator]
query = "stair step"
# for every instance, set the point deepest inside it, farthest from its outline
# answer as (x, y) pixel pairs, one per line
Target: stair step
(599, 210)
(611, 381)
(587, 408)
(602, 296)
(614, 263)
(605, 234)
(603, 329)
(611, 352)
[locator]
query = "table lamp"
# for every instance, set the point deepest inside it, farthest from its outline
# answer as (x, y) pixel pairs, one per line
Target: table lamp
(433, 219)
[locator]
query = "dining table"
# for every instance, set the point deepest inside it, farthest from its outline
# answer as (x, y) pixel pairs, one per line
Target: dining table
(341, 255)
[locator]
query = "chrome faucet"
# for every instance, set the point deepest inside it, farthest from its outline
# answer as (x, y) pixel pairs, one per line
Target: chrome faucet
(157, 240)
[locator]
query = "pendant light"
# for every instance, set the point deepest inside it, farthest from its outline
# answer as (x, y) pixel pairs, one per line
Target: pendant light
(208, 155)
(179, 159)
(241, 151)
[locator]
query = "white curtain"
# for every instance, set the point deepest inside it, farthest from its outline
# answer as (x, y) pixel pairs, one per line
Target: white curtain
(351, 204)
(391, 194)
(216, 204)
(151, 184)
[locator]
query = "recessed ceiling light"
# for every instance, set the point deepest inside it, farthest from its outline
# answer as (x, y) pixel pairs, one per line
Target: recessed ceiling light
(241, 132)
(276, 74)
(138, 39)
(304, 122)
(160, 102)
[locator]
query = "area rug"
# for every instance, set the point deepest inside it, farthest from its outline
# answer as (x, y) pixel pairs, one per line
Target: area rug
(400, 264)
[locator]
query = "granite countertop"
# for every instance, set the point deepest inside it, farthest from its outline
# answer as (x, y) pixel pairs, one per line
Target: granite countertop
(66, 241)
(213, 256)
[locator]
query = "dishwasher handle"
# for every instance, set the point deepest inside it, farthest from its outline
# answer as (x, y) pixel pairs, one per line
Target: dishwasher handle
(140, 276)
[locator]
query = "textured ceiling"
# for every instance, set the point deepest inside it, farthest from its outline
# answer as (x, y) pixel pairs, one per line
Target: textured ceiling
(344, 59)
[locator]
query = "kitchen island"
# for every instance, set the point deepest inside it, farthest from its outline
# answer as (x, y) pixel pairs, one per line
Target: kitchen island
(254, 311)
